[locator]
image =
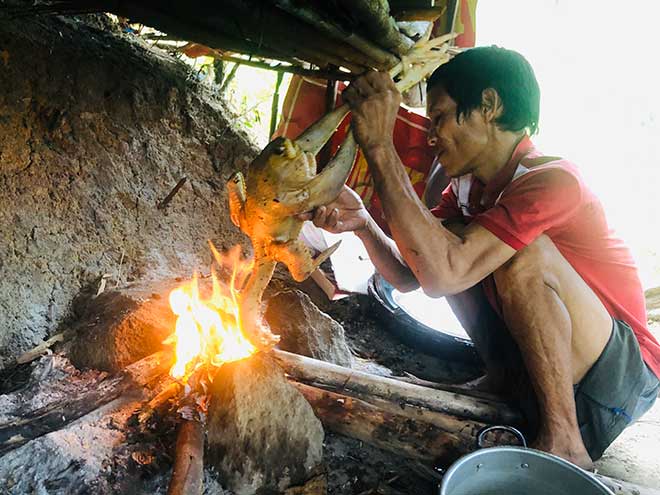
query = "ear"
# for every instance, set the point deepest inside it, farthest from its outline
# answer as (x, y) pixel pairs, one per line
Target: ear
(491, 104)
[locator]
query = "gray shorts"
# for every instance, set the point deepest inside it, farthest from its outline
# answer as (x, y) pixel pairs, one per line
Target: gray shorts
(615, 392)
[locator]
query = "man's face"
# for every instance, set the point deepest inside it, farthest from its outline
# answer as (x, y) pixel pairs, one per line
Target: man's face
(456, 144)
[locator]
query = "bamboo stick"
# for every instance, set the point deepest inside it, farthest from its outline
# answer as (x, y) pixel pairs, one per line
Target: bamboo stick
(331, 75)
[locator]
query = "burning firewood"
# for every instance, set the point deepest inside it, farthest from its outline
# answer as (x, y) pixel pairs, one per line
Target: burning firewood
(188, 473)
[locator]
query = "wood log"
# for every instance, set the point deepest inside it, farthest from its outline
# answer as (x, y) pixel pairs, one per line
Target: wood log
(363, 385)
(188, 472)
(32, 424)
(411, 432)
(398, 434)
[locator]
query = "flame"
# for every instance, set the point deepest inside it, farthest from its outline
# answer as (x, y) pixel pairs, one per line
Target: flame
(207, 330)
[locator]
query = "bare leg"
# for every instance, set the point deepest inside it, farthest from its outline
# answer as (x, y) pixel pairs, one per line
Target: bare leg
(491, 338)
(561, 328)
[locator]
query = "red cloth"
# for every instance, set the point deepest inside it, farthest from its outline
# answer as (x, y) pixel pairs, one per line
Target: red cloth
(305, 103)
(526, 200)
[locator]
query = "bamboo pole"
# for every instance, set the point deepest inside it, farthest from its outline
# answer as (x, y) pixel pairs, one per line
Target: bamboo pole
(381, 59)
(274, 106)
(273, 27)
(331, 75)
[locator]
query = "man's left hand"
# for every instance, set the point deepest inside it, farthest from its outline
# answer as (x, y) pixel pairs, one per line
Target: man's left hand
(375, 101)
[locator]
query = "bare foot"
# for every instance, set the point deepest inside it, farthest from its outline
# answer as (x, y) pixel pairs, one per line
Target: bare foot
(570, 450)
(486, 383)
(480, 387)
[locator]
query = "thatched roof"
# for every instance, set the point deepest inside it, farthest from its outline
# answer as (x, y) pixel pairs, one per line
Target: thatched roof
(331, 36)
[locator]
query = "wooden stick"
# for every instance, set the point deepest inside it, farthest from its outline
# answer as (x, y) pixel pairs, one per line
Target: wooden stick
(41, 349)
(56, 415)
(172, 390)
(344, 380)
(166, 201)
(188, 472)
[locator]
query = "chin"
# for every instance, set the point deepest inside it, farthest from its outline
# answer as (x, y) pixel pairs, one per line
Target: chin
(450, 171)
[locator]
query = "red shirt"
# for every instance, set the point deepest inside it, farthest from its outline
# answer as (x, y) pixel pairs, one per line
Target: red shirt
(527, 199)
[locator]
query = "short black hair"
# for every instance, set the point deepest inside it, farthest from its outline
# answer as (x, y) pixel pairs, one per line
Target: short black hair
(469, 73)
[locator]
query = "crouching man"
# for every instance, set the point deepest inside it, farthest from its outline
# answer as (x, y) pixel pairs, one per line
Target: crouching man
(551, 299)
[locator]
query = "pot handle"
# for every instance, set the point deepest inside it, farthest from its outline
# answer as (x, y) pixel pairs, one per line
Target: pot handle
(510, 429)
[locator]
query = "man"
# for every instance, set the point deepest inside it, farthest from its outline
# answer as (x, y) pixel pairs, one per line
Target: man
(520, 230)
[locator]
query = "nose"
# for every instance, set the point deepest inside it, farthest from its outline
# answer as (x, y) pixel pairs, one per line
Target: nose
(431, 139)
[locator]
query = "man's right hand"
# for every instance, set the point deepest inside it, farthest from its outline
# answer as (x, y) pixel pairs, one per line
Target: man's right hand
(345, 214)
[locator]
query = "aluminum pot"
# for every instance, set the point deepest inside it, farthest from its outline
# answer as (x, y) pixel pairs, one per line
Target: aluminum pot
(517, 471)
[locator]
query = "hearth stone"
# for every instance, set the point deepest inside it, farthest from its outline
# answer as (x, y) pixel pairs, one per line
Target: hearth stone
(118, 327)
(262, 434)
(306, 330)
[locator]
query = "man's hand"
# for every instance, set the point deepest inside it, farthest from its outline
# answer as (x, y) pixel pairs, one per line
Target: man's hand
(345, 214)
(374, 101)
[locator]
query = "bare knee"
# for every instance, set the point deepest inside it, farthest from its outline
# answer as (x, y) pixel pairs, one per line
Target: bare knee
(530, 266)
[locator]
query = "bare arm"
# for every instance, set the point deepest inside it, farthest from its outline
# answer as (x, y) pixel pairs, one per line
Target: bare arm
(442, 262)
(346, 214)
(385, 256)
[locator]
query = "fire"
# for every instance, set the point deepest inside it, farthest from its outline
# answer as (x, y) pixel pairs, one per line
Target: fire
(207, 330)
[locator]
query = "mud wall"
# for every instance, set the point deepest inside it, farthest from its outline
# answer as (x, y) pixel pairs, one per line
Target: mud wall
(95, 130)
